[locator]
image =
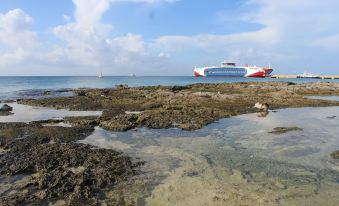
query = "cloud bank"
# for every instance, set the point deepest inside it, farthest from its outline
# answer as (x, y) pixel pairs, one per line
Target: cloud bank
(291, 33)
(16, 38)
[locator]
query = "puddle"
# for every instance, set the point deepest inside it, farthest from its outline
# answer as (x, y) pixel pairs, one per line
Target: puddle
(331, 98)
(60, 124)
(236, 161)
(24, 113)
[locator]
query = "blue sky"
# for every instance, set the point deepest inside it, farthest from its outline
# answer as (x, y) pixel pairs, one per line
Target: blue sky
(166, 37)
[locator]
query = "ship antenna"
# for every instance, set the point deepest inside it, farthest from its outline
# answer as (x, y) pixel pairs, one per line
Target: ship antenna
(269, 65)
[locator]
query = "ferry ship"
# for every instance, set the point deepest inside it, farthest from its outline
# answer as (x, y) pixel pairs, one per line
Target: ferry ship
(228, 69)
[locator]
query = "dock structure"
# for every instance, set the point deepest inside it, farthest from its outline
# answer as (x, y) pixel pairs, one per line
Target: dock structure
(286, 76)
(329, 77)
(283, 76)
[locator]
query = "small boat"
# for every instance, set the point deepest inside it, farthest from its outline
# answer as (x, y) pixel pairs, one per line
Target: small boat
(132, 75)
(100, 75)
(309, 76)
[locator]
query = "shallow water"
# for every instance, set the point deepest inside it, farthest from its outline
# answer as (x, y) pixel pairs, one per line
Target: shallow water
(331, 98)
(24, 113)
(236, 161)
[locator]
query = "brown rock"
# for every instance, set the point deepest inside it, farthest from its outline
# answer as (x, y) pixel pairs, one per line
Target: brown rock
(6, 108)
(335, 155)
(282, 130)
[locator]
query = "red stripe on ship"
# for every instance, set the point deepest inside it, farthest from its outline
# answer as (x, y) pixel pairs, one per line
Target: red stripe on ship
(257, 74)
(196, 73)
(268, 71)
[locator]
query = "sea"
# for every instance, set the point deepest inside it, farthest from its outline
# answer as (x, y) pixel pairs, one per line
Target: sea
(31, 87)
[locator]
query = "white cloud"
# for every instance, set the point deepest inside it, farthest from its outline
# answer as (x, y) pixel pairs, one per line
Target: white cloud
(13, 57)
(88, 13)
(89, 43)
(266, 36)
(15, 20)
(244, 46)
(16, 38)
(15, 29)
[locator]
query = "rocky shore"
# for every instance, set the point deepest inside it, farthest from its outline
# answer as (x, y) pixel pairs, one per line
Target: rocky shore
(45, 164)
(186, 107)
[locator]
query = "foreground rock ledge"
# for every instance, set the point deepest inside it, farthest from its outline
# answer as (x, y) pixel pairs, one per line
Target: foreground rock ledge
(46, 166)
(187, 107)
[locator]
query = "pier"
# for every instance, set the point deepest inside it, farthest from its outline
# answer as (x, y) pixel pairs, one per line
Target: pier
(283, 76)
(287, 76)
(329, 77)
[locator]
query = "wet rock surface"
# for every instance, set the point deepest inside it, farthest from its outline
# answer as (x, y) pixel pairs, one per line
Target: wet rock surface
(283, 130)
(56, 168)
(187, 107)
(335, 155)
(86, 121)
(331, 117)
(6, 108)
(43, 93)
(20, 136)
(6, 101)
(5, 113)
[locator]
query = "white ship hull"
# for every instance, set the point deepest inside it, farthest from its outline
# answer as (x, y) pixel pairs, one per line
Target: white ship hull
(231, 70)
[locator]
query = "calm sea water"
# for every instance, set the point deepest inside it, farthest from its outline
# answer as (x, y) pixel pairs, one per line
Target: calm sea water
(21, 87)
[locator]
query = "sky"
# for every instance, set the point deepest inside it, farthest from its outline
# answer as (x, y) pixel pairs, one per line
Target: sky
(166, 37)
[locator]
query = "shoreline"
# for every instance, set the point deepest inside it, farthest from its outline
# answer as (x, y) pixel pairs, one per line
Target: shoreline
(17, 87)
(187, 107)
(26, 146)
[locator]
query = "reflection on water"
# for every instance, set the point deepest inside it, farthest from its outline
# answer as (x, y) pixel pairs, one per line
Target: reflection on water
(262, 114)
(24, 113)
(331, 98)
(237, 162)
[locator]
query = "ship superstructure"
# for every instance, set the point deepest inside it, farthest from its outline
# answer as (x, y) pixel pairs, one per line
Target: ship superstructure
(228, 69)
(309, 75)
